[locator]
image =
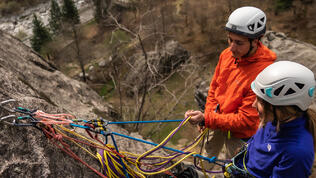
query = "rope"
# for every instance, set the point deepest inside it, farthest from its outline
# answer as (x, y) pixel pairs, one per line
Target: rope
(184, 151)
(113, 162)
(144, 122)
(49, 131)
(210, 160)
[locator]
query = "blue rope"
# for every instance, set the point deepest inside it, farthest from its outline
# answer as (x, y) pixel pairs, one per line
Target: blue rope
(210, 160)
(116, 148)
(135, 122)
(80, 126)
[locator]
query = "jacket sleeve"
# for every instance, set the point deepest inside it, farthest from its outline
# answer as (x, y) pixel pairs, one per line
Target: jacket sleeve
(211, 102)
(245, 117)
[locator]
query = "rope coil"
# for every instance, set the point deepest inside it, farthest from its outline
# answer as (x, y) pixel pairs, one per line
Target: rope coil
(114, 163)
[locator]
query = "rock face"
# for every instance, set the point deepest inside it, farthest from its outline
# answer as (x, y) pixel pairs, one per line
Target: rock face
(285, 48)
(35, 84)
(291, 49)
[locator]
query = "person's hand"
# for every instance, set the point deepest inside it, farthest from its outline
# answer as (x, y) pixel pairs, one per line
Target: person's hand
(196, 116)
(188, 113)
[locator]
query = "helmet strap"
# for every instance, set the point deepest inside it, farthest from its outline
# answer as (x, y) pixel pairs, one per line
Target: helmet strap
(250, 48)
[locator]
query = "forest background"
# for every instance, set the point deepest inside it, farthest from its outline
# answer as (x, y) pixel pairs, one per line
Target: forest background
(102, 51)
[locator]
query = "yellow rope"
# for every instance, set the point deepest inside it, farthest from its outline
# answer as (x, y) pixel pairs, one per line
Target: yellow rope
(118, 166)
(203, 169)
(100, 160)
(179, 161)
(244, 163)
(82, 137)
(109, 156)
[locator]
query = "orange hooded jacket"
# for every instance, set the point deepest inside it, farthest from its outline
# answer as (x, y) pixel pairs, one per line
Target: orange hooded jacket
(230, 88)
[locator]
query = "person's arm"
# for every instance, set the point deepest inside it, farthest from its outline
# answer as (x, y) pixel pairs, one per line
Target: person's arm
(245, 117)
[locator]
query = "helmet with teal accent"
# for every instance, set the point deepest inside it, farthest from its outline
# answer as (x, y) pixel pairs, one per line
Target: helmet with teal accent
(247, 21)
(285, 83)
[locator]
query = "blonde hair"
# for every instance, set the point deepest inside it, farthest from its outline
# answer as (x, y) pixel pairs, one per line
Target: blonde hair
(283, 114)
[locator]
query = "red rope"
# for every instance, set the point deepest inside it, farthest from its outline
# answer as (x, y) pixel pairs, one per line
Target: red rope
(48, 119)
(49, 131)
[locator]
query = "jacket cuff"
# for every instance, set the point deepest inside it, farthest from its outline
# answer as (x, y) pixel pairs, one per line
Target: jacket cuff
(209, 121)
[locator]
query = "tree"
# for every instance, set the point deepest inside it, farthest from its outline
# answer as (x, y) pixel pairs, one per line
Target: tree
(55, 17)
(40, 36)
(101, 9)
(76, 34)
(70, 12)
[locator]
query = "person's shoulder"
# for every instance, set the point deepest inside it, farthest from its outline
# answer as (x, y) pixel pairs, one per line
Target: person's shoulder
(226, 52)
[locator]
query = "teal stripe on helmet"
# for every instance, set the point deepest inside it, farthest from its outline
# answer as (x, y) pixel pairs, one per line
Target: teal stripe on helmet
(268, 92)
(311, 91)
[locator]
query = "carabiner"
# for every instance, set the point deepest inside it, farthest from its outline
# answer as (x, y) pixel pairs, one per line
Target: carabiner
(7, 108)
(4, 118)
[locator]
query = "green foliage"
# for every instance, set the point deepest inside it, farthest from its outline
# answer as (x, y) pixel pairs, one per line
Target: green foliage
(106, 89)
(117, 37)
(283, 5)
(70, 12)
(55, 19)
(40, 34)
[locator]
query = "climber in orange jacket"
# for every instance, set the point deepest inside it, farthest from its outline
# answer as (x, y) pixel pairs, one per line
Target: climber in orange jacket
(228, 110)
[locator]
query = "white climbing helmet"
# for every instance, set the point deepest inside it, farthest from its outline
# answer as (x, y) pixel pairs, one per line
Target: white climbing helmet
(247, 21)
(285, 83)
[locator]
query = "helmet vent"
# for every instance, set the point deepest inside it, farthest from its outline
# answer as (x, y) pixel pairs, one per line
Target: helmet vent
(251, 27)
(278, 91)
(262, 90)
(289, 91)
(262, 19)
(299, 85)
(259, 25)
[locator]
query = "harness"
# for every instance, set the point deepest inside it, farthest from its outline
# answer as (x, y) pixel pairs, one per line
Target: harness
(233, 171)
